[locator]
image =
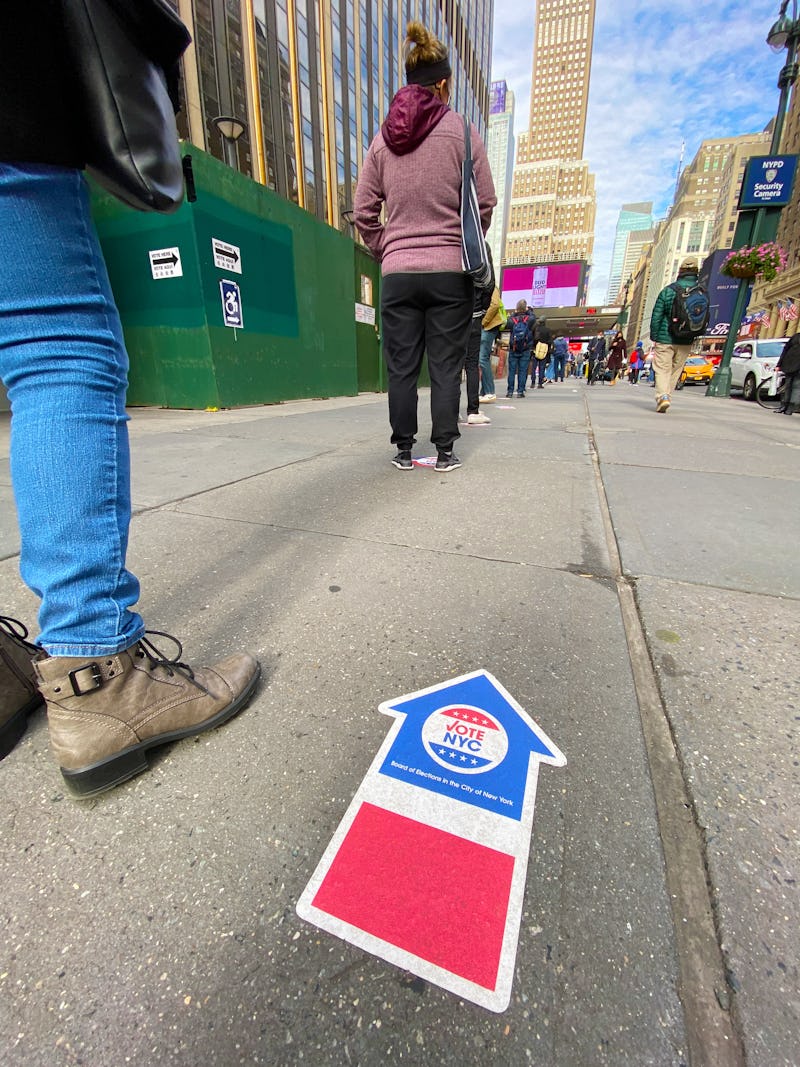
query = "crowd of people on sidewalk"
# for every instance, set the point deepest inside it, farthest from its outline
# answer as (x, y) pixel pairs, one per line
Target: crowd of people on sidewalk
(533, 357)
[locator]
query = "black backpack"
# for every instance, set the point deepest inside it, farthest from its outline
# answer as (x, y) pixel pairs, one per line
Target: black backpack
(521, 336)
(689, 315)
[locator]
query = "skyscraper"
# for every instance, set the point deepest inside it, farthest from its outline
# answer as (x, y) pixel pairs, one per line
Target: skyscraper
(500, 151)
(562, 59)
(553, 199)
(632, 218)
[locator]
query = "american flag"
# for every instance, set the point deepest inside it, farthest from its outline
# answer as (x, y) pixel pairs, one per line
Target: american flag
(763, 317)
(783, 311)
(791, 311)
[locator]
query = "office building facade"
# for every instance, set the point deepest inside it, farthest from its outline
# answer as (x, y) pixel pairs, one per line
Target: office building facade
(500, 151)
(311, 82)
(553, 197)
(756, 144)
(692, 223)
(633, 218)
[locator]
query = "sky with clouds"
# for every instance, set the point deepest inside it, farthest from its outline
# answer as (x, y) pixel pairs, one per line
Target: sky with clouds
(663, 71)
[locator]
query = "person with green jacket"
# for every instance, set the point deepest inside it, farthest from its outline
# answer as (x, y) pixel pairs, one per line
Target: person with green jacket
(668, 356)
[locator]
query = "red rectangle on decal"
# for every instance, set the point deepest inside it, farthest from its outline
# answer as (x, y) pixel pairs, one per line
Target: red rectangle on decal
(424, 890)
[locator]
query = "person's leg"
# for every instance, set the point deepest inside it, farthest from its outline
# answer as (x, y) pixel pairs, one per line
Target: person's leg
(64, 364)
(471, 366)
(403, 319)
(662, 366)
(522, 372)
(485, 355)
(449, 299)
(513, 365)
(111, 695)
(681, 354)
(18, 693)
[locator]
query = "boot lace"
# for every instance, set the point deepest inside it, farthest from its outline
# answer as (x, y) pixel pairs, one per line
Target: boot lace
(18, 632)
(172, 665)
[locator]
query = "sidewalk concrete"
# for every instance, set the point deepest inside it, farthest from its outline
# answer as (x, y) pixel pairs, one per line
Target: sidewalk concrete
(157, 923)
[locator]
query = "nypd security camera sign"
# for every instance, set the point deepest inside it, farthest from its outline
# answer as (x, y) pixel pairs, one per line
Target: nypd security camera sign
(768, 181)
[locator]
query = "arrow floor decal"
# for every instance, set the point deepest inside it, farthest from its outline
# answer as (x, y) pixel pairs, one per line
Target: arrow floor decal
(427, 868)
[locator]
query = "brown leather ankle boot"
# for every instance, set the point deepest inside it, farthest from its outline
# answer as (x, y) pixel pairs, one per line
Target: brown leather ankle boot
(105, 713)
(18, 693)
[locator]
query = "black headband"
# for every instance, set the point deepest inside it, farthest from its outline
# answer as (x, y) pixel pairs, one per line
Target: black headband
(429, 73)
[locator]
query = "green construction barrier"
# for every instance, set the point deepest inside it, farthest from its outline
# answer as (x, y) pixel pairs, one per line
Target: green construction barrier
(238, 298)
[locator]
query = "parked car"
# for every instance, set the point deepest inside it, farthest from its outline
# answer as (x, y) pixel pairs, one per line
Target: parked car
(752, 361)
(697, 371)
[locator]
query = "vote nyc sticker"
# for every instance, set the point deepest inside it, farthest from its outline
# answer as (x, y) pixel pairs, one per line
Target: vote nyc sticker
(465, 739)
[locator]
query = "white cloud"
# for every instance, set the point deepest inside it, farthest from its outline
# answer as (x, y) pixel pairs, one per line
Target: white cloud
(663, 71)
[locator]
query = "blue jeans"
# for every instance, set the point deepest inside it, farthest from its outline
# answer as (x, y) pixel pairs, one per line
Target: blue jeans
(558, 366)
(63, 362)
(518, 370)
(488, 338)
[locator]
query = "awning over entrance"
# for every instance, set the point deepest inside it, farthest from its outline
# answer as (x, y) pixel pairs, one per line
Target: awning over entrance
(578, 321)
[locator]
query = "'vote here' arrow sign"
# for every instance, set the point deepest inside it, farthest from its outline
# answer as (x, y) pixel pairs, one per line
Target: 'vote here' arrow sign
(427, 868)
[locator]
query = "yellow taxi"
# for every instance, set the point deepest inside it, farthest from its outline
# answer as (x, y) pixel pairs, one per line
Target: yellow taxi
(698, 371)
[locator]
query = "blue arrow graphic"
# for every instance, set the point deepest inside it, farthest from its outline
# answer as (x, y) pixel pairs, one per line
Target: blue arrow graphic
(399, 852)
(470, 740)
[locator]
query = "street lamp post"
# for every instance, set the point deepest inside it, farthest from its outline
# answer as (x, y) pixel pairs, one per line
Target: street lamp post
(623, 318)
(785, 33)
(231, 129)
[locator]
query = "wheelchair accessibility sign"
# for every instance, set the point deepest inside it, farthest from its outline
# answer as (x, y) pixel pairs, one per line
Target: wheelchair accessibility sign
(231, 304)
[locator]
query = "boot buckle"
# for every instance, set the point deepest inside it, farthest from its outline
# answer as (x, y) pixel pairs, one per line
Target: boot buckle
(78, 679)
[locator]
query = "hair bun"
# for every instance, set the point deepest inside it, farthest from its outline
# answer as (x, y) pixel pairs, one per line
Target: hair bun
(417, 33)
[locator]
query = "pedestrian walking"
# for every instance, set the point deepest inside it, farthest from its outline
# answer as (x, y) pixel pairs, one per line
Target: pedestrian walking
(520, 341)
(617, 352)
(413, 171)
(111, 694)
(636, 362)
(580, 362)
(542, 348)
(596, 351)
(560, 357)
(789, 365)
(670, 351)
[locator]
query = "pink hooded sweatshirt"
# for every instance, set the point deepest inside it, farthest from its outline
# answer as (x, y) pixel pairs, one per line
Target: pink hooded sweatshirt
(413, 167)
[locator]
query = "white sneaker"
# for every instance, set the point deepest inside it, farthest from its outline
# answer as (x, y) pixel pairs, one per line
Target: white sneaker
(478, 419)
(487, 398)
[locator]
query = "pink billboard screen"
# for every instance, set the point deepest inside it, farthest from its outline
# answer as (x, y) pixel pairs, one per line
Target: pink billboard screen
(544, 285)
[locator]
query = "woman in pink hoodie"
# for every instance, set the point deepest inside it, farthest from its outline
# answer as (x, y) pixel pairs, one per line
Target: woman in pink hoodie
(413, 172)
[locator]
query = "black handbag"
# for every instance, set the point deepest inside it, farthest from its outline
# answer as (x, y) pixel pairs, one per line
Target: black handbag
(474, 256)
(124, 57)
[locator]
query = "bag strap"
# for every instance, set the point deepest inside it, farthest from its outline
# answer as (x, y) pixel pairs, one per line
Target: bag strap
(467, 143)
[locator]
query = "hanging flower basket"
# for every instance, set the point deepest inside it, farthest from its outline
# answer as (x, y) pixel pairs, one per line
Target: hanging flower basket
(738, 270)
(765, 261)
